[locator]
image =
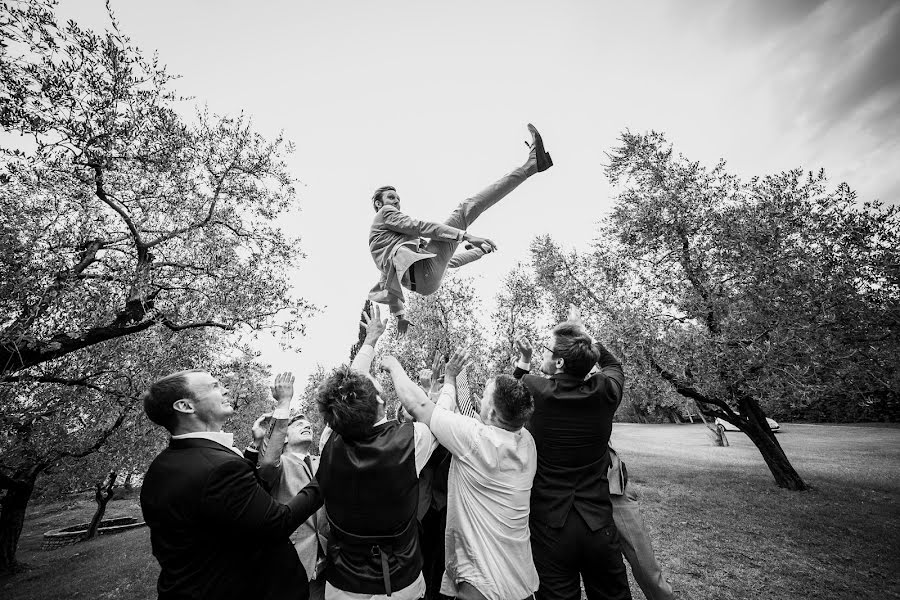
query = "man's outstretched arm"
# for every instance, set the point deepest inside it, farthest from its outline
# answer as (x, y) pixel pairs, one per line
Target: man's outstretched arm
(374, 327)
(403, 223)
(523, 365)
(394, 220)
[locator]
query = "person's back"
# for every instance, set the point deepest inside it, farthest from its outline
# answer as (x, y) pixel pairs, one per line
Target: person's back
(488, 546)
(572, 530)
(571, 425)
(488, 503)
(357, 477)
(202, 553)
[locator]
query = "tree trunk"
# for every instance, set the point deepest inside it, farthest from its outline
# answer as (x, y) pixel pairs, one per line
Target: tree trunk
(757, 429)
(12, 514)
(102, 497)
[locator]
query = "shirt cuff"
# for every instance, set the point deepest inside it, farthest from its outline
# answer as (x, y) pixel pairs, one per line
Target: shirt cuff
(281, 413)
(447, 399)
(521, 364)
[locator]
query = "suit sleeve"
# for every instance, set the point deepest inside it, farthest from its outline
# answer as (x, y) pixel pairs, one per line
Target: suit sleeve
(269, 467)
(233, 498)
(611, 368)
(401, 223)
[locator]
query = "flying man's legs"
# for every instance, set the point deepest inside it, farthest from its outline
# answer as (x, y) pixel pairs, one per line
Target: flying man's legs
(427, 274)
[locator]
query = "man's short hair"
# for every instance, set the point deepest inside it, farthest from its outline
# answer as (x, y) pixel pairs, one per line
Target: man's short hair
(297, 417)
(163, 393)
(512, 400)
(348, 402)
(377, 195)
(574, 346)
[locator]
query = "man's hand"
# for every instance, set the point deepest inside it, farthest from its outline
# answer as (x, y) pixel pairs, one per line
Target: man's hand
(373, 325)
(283, 390)
(437, 370)
(456, 364)
(523, 345)
(485, 244)
(403, 325)
(260, 427)
(390, 363)
(575, 315)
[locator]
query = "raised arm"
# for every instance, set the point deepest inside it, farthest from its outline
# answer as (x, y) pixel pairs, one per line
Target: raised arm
(523, 365)
(273, 446)
(403, 223)
(611, 368)
(413, 398)
(374, 327)
(395, 220)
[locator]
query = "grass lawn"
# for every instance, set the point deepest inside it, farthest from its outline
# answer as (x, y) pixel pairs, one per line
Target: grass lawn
(721, 529)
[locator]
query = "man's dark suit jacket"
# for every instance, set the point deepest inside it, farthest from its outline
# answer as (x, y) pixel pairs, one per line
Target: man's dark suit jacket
(216, 532)
(571, 425)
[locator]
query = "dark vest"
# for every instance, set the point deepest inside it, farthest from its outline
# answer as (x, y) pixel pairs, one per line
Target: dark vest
(371, 493)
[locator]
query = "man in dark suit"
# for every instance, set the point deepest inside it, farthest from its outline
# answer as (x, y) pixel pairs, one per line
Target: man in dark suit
(572, 528)
(214, 530)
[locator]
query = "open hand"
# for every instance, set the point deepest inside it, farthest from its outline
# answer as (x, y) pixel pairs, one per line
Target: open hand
(574, 314)
(437, 369)
(372, 323)
(457, 363)
(485, 244)
(284, 387)
(402, 326)
(260, 426)
(523, 345)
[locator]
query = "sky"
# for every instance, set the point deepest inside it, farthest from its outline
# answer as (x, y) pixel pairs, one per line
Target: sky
(434, 99)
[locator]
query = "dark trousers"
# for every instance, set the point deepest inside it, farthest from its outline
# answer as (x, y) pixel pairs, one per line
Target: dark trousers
(431, 540)
(561, 554)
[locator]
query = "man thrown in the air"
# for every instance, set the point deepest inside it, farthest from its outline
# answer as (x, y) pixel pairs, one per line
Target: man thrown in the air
(394, 239)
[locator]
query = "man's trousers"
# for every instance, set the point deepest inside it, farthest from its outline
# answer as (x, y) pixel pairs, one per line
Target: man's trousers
(637, 547)
(429, 272)
(563, 555)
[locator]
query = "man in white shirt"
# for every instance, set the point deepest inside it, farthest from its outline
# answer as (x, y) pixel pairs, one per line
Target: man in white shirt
(368, 473)
(488, 543)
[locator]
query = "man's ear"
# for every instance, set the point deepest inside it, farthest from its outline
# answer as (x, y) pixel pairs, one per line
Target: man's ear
(560, 362)
(183, 406)
(378, 205)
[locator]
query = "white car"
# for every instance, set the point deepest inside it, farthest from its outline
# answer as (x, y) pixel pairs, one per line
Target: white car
(773, 425)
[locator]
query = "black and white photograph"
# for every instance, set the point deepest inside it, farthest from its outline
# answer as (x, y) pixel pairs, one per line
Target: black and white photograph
(485, 300)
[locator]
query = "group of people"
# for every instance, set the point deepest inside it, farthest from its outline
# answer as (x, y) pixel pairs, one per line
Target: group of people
(523, 498)
(527, 495)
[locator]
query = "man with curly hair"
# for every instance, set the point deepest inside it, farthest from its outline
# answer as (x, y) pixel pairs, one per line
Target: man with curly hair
(488, 544)
(368, 473)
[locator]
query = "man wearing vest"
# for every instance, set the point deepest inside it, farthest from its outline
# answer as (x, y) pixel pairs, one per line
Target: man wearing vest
(572, 530)
(368, 473)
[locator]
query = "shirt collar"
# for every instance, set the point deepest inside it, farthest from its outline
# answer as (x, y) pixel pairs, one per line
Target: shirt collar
(219, 437)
